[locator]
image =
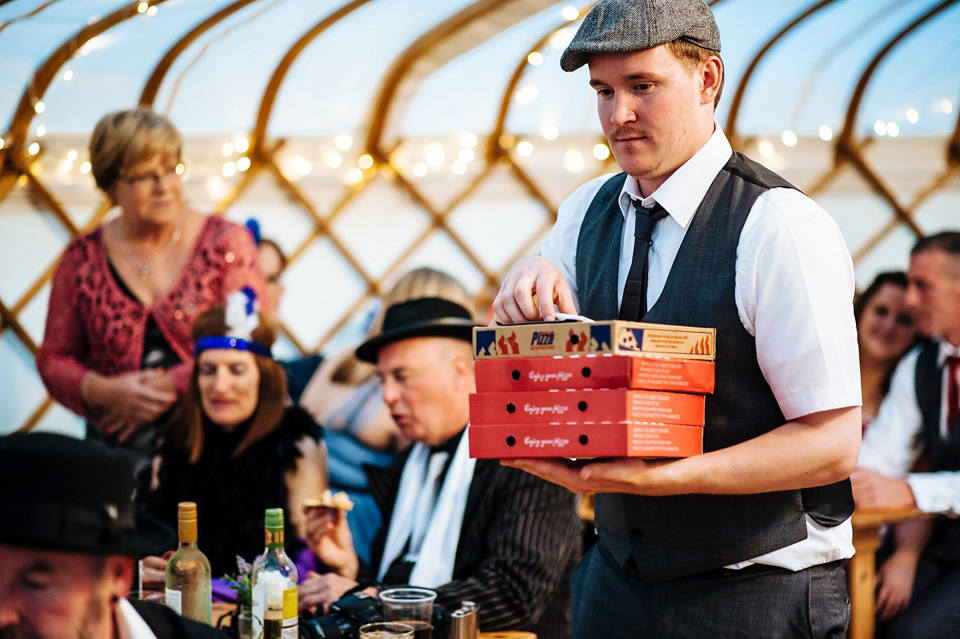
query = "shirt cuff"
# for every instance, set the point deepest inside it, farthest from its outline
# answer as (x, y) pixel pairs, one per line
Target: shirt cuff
(934, 493)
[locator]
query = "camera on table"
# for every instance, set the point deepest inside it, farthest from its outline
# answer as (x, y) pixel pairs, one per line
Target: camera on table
(344, 618)
(349, 613)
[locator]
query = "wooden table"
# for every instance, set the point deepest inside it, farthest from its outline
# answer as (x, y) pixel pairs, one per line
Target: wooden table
(862, 577)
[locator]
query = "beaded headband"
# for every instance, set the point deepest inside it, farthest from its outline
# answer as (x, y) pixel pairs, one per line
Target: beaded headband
(241, 319)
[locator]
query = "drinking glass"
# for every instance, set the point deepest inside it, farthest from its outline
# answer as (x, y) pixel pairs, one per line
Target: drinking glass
(411, 606)
(386, 630)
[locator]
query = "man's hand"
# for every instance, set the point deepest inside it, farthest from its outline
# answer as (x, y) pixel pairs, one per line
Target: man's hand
(632, 476)
(873, 490)
(329, 538)
(528, 277)
(895, 583)
(153, 571)
(813, 450)
(317, 592)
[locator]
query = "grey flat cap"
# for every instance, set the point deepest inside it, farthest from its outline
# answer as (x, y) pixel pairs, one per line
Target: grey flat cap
(622, 26)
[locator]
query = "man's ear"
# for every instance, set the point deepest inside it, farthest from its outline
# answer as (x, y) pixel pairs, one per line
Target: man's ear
(118, 572)
(463, 371)
(711, 79)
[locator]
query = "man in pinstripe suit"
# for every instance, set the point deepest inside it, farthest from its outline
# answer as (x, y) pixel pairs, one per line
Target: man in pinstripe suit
(493, 535)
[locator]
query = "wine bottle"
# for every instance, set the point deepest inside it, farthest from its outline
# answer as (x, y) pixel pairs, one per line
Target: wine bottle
(274, 585)
(188, 570)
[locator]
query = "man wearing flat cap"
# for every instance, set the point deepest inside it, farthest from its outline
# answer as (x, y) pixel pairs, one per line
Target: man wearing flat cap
(747, 539)
(68, 538)
(470, 529)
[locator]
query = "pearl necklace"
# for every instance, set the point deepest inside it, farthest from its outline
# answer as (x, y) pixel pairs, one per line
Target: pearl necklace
(145, 270)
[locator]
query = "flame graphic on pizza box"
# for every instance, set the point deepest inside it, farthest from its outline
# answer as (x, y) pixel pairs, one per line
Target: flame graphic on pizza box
(578, 338)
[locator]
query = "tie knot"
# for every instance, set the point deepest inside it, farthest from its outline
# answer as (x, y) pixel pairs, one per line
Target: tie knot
(646, 220)
(952, 362)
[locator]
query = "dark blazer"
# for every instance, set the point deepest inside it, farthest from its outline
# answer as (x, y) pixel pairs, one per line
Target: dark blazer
(520, 540)
(167, 624)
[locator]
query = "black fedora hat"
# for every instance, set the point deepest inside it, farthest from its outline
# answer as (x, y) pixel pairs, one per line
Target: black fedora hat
(423, 317)
(64, 493)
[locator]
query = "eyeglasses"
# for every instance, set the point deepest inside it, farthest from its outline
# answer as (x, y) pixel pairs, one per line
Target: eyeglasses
(152, 178)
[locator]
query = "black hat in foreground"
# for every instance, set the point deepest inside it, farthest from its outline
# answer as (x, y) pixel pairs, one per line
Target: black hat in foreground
(64, 493)
(423, 317)
(624, 26)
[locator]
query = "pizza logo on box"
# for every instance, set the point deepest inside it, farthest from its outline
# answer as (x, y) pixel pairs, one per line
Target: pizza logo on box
(540, 340)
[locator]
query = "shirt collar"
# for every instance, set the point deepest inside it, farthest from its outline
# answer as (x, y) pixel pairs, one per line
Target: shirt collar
(683, 191)
(946, 350)
(130, 625)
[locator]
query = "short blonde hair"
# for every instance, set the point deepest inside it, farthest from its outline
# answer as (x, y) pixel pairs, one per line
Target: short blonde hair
(690, 56)
(420, 282)
(123, 138)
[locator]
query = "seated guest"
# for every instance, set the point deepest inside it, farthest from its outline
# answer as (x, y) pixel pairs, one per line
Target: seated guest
(344, 395)
(274, 262)
(470, 529)
(68, 540)
(232, 447)
(910, 457)
(885, 332)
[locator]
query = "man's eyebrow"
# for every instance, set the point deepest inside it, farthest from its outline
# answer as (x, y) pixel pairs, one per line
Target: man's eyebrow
(633, 77)
(41, 566)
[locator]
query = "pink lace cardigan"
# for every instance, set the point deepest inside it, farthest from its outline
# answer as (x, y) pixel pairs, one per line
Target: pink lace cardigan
(92, 325)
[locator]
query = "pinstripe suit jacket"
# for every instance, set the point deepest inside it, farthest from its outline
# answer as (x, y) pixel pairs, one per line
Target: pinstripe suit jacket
(519, 543)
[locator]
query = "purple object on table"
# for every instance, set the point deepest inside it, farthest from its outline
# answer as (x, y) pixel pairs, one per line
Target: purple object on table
(221, 591)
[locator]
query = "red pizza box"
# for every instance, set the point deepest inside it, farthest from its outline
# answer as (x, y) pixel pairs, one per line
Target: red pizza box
(624, 439)
(594, 371)
(547, 339)
(580, 406)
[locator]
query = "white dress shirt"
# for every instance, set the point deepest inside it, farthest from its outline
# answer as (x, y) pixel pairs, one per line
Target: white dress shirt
(794, 290)
(889, 444)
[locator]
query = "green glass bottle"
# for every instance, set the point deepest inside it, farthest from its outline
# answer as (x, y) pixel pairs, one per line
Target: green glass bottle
(188, 570)
(274, 585)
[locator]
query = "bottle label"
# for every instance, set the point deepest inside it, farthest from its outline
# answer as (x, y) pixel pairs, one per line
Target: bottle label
(289, 605)
(290, 614)
(174, 599)
(258, 600)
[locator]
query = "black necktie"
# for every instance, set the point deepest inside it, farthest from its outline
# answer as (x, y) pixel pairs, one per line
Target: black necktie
(633, 304)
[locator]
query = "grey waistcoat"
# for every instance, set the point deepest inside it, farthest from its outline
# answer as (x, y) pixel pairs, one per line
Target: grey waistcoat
(668, 537)
(939, 453)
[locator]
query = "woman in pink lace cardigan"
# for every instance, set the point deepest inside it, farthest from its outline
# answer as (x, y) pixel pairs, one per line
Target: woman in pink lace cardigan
(117, 343)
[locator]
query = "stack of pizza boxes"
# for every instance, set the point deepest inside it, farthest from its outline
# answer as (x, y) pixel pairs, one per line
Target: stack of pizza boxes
(590, 389)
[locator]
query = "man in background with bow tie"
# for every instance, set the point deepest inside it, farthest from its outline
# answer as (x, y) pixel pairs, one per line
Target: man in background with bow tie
(470, 529)
(918, 429)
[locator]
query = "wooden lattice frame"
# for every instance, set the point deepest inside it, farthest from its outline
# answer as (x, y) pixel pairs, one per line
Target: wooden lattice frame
(468, 27)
